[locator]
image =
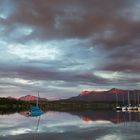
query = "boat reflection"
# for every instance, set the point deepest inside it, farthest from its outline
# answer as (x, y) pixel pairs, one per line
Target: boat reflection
(36, 126)
(36, 134)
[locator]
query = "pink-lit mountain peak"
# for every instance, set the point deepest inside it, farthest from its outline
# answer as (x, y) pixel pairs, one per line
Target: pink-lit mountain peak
(87, 92)
(30, 98)
(113, 90)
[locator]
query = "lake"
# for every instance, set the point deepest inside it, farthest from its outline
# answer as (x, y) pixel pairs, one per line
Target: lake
(85, 125)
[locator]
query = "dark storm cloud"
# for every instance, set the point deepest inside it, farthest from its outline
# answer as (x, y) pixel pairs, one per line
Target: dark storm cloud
(123, 59)
(36, 73)
(123, 67)
(78, 18)
(107, 22)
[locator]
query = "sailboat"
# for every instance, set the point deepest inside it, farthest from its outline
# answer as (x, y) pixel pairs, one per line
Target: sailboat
(35, 110)
(135, 107)
(124, 107)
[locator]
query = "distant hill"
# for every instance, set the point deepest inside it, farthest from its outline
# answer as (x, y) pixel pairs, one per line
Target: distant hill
(109, 95)
(31, 98)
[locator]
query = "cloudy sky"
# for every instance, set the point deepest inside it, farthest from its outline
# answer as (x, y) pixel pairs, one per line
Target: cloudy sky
(61, 47)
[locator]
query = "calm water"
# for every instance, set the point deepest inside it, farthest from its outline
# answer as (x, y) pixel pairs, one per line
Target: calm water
(87, 125)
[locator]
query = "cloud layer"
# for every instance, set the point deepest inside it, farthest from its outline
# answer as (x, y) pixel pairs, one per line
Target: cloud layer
(61, 47)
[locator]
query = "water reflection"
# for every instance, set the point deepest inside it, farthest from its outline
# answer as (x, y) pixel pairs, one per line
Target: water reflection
(112, 116)
(87, 125)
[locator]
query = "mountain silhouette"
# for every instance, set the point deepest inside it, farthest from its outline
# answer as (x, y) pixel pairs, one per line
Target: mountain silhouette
(109, 95)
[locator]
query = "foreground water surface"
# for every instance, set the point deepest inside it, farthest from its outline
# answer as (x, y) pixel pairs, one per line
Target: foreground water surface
(86, 125)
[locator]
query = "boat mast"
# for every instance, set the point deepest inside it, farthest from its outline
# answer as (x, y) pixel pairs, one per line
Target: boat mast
(116, 99)
(123, 100)
(128, 99)
(135, 98)
(37, 99)
(138, 97)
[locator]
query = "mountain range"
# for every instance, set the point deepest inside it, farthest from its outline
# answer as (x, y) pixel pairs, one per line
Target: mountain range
(110, 95)
(87, 95)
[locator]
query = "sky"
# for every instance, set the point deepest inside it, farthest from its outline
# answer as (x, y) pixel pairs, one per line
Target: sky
(61, 47)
